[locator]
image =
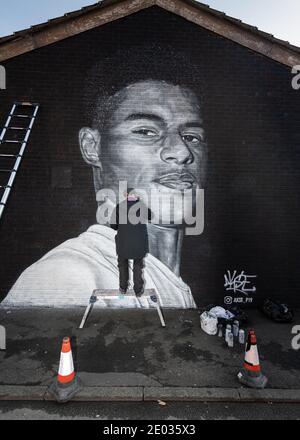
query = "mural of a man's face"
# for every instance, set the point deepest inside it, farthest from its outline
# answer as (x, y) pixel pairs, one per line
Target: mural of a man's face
(153, 139)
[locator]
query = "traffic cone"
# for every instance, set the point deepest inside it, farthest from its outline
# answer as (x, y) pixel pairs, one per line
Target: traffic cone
(67, 384)
(251, 374)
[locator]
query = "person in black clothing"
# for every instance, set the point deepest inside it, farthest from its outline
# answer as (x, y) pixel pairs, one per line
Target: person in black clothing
(131, 240)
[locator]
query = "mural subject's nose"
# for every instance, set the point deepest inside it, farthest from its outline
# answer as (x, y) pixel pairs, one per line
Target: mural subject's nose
(177, 151)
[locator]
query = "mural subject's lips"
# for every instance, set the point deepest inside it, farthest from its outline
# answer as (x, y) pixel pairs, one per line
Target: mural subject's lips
(177, 181)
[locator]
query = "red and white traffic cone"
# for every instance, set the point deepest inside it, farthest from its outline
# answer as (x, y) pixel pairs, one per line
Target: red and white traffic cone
(67, 383)
(251, 374)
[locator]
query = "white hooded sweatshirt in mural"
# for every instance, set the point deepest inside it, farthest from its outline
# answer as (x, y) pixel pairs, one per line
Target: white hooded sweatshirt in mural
(68, 275)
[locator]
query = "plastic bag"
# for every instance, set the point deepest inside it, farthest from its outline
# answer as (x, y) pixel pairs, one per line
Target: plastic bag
(209, 323)
(277, 311)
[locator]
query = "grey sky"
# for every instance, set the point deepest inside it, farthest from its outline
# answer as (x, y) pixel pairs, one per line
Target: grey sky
(279, 17)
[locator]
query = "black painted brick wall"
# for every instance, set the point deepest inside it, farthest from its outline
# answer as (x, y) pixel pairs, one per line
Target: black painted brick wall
(252, 124)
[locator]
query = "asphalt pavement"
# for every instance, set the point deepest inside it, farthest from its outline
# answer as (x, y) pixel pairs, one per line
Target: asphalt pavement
(128, 353)
(128, 411)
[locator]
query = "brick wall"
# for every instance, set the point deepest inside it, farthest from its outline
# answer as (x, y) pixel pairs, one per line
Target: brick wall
(252, 121)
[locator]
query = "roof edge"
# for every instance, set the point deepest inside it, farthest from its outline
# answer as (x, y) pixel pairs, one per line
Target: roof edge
(234, 30)
(69, 25)
(107, 11)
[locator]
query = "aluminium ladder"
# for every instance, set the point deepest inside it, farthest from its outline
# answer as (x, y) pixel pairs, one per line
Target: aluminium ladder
(13, 143)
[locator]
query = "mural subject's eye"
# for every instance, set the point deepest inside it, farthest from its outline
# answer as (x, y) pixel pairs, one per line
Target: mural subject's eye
(145, 132)
(193, 139)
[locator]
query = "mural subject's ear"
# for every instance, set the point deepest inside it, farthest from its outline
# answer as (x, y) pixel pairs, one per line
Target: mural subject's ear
(90, 145)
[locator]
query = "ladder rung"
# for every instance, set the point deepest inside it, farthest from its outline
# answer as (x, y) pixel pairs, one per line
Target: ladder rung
(7, 171)
(9, 155)
(21, 116)
(11, 142)
(25, 104)
(5, 187)
(17, 128)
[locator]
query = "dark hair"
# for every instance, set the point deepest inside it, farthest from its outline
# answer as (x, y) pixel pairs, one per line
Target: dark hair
(134, 64)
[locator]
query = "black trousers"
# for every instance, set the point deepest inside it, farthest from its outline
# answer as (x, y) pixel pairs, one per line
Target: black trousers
(138, 280)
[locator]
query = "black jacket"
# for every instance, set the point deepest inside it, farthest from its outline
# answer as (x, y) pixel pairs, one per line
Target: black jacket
(131, 240)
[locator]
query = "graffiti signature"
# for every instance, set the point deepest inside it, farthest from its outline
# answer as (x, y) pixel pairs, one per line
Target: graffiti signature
(239, 283)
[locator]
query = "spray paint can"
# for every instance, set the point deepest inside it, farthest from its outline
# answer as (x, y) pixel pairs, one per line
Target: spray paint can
(230, 340)
(228, 330)
(236, 328)
(242, 336)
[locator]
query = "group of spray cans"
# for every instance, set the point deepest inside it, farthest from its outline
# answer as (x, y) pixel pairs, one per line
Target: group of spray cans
(231, 332)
